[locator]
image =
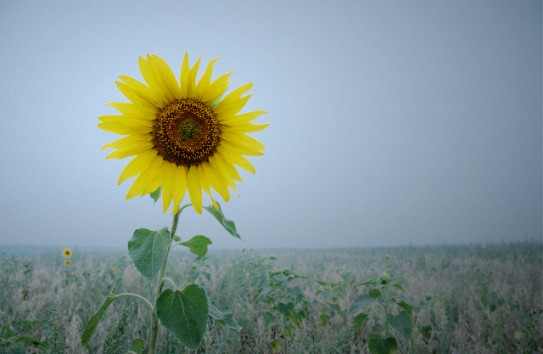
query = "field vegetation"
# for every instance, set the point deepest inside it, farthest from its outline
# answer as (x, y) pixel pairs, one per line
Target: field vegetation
(434, 299)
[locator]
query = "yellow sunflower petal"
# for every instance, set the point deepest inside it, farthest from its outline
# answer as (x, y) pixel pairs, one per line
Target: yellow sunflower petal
(237, 159)
(167, 185)
(188, 76)
(145, 182)
(216, 89)
(179, 186)
(228, 169)
(134, 95)
(125, 128)
(242, 140)
(137, 165)
(152, 78)
(233, 108)
(195, 192)
(216, 181)
(184, 77)
(142, 90)
(130, 150)
(205, 80)
(242, 118)
(203, 181)
(244, 128)
(232, 98)
(126, 141)
(132, 109)
(167, 77)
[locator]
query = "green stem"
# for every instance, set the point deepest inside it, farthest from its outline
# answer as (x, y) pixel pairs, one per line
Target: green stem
(147, 302)
(160, 285)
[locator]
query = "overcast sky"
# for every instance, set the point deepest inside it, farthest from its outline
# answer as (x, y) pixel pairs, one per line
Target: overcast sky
(392, 122)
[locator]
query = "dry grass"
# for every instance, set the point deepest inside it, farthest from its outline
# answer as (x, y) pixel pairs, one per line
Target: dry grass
(484, 299)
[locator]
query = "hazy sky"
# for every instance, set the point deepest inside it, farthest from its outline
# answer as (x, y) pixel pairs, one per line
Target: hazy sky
(392, 122)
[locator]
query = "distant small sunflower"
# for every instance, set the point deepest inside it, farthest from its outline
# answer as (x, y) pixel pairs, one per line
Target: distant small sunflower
(67, 262)
(67, 252)
(184, 135)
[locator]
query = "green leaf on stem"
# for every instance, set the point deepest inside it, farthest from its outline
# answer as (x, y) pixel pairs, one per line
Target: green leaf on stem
(361, 302)
(137, 346)
(380, 345)
(224, 318)
(95, 319)
(406, 306)
(156, 194)
(184, 313)
(402, 323)
(148, 250)
(226, 223)
(198, 245)
(359, 321)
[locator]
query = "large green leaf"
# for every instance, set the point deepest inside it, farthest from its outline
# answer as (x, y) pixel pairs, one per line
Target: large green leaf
(184, 313)
(226, 223)
(402, 323)
(380, 345)
(198, 245)
(361, 302)
(224, 318)
(148, 250)
(95, 319)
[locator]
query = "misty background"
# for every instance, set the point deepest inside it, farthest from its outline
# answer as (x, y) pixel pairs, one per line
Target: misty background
(392, 122)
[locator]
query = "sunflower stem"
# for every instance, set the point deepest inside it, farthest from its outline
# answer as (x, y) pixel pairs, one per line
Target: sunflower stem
(160, 285)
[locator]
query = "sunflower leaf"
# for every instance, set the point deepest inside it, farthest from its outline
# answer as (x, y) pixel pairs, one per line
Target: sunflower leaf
(95, 319)
(156, 194)
(184, 313)
(224, 318)
(228, 224)
(197, 245)
(148, 250)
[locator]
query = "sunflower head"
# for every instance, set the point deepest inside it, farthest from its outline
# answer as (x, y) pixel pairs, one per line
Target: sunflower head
(182, 135)
(67, 252)
(67, 262)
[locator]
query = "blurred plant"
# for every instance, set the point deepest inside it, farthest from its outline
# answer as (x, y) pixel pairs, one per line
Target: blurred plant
(390, 309)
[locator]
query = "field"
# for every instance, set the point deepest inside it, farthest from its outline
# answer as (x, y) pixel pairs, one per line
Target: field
(454, 299)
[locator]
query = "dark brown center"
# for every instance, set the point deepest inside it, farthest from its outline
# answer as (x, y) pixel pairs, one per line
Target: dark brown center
(186, 132)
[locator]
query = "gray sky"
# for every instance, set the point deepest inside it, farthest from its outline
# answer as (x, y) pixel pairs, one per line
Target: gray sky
(392, 122)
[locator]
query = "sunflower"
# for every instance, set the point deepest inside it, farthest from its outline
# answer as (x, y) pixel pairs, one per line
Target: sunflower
(67, 262)
(67, 252)
(186, 135)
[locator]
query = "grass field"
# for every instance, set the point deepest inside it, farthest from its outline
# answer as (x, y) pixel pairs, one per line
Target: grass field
(460, 299)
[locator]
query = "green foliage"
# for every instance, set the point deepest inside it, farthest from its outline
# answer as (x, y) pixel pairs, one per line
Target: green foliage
(224, 318)
(228, 224)
(148, 250)
(116, 341)
(95, 319)
(184, 313)
(156, 194)
(361, 302)
(402, 322)
(380, 345)
(137, 346)
(392, 309)
(197, 245)
(506, 276)
(56, 339)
